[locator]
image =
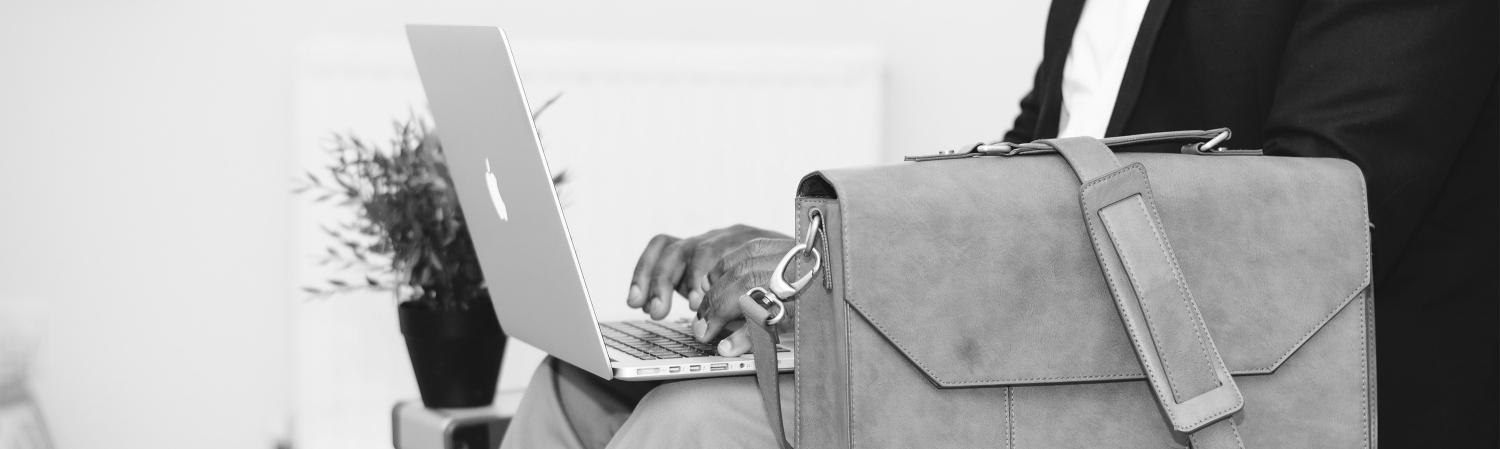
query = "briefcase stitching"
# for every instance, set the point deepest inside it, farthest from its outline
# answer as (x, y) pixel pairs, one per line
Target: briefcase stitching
(848, 342)
(1115, 289)
(1372, 372)
(848, 369)
(1146, 311)
(1010, 422)
(1172, 260)
(797, 345)
(1363, 194)
(1364, 380)
(803, 206)
(1200, 326)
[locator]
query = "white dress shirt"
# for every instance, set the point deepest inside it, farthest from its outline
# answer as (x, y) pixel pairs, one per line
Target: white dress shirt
(1096, 63)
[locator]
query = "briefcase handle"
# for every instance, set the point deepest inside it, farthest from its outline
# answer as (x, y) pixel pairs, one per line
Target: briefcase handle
(1199, 142)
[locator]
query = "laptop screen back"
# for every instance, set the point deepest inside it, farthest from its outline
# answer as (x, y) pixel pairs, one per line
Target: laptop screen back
(505, 189)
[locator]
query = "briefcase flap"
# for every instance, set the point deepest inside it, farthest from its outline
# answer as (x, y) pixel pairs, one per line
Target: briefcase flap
(980, 270)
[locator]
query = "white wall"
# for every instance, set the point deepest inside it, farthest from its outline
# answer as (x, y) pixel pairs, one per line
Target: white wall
(143, 190)
(148, 157)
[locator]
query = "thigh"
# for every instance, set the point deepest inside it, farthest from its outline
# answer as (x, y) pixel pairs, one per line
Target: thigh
(721, 412)
(566, 407)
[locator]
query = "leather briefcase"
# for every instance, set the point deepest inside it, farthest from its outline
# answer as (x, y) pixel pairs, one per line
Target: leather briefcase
(1057, 294)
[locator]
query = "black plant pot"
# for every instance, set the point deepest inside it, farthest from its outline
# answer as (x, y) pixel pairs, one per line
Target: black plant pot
(454, 353)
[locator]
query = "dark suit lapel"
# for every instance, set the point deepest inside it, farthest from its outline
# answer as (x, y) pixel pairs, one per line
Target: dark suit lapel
(1062, 20)
(1135, 69)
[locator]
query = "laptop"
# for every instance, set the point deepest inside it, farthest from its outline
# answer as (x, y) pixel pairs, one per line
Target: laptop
(497, 167)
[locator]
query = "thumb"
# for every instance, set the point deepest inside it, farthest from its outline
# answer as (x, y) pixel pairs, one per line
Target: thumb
(737, 343)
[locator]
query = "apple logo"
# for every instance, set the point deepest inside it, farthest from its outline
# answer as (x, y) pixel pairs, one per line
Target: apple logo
(489, 178)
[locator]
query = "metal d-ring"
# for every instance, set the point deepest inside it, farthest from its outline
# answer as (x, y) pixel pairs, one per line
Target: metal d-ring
(814, 224)
(1214, 142)
(768, 299)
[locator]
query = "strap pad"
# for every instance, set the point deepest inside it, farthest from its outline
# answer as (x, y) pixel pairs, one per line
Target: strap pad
(1179, 357)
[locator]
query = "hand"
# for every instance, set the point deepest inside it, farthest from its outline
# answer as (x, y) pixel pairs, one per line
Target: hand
(684, 265)
(745, 268)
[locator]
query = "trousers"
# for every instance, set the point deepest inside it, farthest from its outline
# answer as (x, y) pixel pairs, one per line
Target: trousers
(566, 407)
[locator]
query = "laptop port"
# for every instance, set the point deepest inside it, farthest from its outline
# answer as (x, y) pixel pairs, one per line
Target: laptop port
(718, 367)
(695, 368)
(675, 369)
(648, 370)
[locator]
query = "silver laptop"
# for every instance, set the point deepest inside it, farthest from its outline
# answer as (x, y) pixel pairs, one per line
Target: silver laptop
(517, 224)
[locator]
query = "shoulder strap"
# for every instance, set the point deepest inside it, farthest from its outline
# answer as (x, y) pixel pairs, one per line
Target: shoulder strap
(763, 340)
(1170, 338)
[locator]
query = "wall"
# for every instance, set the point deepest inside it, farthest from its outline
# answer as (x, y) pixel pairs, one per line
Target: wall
(144, 193)
(148, 157)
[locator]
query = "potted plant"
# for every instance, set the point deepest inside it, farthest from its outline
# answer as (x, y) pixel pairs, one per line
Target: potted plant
(409, 238)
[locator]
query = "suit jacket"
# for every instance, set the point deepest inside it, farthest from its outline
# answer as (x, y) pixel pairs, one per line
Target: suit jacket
(1405, 89)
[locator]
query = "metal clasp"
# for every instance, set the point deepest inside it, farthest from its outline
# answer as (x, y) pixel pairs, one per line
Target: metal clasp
(779, 286)
(768, 299)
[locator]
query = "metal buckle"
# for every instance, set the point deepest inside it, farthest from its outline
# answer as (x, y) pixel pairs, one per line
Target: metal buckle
(768, 299)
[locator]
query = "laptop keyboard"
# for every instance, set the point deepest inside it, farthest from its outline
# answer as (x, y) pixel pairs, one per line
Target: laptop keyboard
(652, 340)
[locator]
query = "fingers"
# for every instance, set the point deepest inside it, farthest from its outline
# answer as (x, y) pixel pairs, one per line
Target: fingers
(694, 282)
(730, 260)
(760, 247)
(737, 343)
(643, 269)
(720, 304)
(690, 267)
(666, 275)
(697, 290)
(706, 256)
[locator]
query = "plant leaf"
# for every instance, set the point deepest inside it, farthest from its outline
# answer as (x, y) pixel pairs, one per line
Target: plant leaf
(545, 105)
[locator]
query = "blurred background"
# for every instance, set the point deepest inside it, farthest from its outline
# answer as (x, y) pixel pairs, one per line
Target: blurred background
(152, 254)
